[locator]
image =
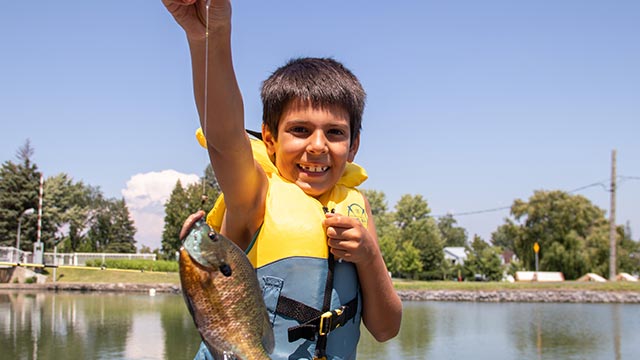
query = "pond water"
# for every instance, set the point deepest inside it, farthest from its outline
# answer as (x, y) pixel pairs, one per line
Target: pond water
(47, 325)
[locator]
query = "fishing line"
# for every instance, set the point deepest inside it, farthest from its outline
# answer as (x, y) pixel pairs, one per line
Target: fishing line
(204, 196)
(206, 68)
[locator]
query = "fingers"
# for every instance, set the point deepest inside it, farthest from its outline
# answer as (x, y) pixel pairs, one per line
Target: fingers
(342, 227)
(179, 2)
(340, 221)
(343, 243)
(174, 5)
(341, 256)
(348, 239)
(189, 222)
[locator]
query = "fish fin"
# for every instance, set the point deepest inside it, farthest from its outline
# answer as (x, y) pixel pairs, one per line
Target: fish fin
(190, 307)
(268, 341)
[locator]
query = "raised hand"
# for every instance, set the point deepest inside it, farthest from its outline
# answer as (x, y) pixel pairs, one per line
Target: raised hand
(192, 15)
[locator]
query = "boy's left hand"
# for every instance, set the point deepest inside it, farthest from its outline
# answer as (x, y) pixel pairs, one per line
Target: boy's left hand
(349, 240)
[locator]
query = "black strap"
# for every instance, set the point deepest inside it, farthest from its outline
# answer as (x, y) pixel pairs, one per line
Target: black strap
(321, 344)
(296, 310)
(309, 329)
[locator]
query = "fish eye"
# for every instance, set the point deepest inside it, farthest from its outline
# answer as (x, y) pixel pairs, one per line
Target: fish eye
(225, 269)
(213, 236)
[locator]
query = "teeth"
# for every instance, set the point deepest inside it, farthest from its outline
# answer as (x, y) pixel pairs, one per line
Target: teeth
(314, 168)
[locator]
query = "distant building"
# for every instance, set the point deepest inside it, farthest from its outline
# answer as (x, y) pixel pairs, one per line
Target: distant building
(507, 257)
(455, 254)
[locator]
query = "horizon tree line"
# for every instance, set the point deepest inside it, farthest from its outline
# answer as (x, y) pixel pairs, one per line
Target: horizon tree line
(572, 232)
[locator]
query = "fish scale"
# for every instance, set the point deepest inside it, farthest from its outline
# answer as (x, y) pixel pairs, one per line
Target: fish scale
(222, 293)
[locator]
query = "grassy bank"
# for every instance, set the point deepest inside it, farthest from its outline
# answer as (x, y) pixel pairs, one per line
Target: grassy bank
(95, 275)
(493, 286)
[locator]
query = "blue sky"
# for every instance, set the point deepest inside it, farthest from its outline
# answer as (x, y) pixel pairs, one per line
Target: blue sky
(471, 104)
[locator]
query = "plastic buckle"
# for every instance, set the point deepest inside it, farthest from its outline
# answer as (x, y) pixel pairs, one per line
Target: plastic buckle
(326, 326)
(325, 323)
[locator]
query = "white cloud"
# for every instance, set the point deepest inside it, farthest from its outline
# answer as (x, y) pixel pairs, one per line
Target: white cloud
(146, 195)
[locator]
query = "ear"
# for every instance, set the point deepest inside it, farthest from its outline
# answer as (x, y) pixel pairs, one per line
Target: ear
(269, 140)
(353, 149)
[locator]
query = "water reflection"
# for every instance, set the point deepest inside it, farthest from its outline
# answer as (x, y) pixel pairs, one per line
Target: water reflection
(100, 326)
(615, 315)
(118, 326)
(416, 334)
(441, 330)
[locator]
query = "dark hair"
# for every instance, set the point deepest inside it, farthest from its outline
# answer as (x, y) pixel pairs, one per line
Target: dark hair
(319, 81)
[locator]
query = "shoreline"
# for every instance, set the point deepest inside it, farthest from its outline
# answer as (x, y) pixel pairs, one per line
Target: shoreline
(503, 296)
(496, 296)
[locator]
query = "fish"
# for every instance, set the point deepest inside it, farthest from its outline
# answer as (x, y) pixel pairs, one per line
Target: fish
(223, 295)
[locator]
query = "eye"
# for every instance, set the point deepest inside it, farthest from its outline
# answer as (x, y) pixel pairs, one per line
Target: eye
(298, 130)
(225, 269)
(338, 134)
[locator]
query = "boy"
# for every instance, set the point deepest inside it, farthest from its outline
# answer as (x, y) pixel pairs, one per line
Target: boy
(285, 210)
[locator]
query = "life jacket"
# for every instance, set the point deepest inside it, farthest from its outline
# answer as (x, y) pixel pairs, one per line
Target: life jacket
(312, 300)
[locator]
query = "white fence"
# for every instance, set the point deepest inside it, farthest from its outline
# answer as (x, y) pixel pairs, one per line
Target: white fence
(13, 255)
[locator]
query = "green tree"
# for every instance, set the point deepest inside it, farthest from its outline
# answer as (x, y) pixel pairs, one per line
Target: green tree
(484, 260)
(628, 251)
(385, 228)
(567, 227)
(177, 209)
(377, 201)
(420, 230)
(478, 244)
(407, 261)
(79, 218)
(506, 235)
(112, 229)
(568, 256)
(69, 210)
(451, 234)
(410, 209)
(19, 184)
(183, 202)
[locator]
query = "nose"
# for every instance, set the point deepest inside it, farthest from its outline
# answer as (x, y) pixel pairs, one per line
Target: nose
(317, 143)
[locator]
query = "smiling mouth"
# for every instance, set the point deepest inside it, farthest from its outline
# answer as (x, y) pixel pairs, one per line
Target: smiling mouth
(313, 169)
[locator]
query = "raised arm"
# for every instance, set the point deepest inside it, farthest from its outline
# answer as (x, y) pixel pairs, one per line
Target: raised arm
(219, 103)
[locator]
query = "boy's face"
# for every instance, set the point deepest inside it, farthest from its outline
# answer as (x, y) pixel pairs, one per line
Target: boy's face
(313, 146)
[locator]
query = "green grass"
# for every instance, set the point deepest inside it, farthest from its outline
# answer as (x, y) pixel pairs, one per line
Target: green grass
(146, 265)
(95, 275)
(493, 286)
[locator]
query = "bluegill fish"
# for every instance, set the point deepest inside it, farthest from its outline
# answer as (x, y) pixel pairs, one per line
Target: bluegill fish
(224, 298)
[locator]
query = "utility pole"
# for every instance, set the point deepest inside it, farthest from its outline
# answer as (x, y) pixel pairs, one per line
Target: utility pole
(38, 246)
(612, 220)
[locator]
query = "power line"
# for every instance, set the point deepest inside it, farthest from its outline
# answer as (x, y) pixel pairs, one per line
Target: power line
(629, 177)
(601, 183)
(473, 212)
